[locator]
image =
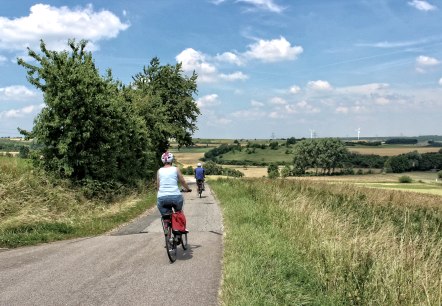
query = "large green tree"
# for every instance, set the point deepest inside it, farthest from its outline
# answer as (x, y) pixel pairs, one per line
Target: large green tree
(164, 97)
(323, 155)
(87, 128)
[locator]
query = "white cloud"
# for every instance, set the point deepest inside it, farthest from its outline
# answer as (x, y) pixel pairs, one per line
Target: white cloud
(222, 121)
(342, 110)
(16, 93)
(208, 101)
(230, 57)
(290, 109)
(306, 107)
(193, 60)
(273, 50)
(55, 25)
(3, 59)
(422, 5)
(255, 103)
(16, 113)
(267, 5)
(249, 114)
(234, 76)
(207, 66)
(440, 81)
(423, 63)
(294, 89)
(276, 115)
(364, 89)
(278, 101)
(423, 60)
(359, 109)
(197, 61)
(396, 44)
(382, 101)
(319, 85)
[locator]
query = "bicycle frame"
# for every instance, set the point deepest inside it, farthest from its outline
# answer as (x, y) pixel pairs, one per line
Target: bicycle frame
(172, 238)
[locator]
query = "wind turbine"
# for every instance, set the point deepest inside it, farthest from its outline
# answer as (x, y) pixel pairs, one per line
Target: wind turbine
(312, 132)
(359, 132)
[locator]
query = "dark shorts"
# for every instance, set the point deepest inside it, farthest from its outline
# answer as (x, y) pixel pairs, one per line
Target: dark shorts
(166, 203)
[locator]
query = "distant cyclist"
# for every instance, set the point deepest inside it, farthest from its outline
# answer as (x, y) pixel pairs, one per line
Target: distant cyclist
(200, 174)
(167, 185)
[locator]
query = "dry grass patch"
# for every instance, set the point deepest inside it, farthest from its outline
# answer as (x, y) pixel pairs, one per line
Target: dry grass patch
(392, 151)
(250, 171)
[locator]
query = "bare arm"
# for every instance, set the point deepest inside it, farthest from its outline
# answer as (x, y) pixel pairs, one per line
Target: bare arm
(158, 181)
(182, 180)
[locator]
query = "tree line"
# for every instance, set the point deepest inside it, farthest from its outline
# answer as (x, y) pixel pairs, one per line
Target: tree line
(95, 128)
(327, 156)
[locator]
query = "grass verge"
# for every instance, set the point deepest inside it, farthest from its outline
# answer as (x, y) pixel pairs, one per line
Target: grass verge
(34, 209)
(299, 242)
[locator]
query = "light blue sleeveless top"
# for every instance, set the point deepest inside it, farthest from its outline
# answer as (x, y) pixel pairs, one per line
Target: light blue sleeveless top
(168, 182)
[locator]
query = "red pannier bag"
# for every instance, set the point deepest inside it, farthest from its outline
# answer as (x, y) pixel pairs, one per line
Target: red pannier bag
(179, 222)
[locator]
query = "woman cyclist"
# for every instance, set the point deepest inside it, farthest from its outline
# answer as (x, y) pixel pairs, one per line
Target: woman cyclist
(167, 185)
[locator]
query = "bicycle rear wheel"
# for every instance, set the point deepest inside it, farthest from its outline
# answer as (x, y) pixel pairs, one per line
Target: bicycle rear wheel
(171, 248)
(184, 241)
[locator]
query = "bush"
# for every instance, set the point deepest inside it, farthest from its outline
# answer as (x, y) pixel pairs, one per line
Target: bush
(405, 179)
(24, 152)
(273, 171)
(439, 174)
(187, 171)
(286, 171)
(347, 171)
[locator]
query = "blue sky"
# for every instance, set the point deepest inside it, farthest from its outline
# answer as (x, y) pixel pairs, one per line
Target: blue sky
(266, 67)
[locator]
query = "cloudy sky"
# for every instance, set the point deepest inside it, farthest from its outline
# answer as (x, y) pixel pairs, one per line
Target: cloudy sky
(266, 68)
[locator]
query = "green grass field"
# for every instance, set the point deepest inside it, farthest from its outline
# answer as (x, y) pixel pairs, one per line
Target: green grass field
(282, 154)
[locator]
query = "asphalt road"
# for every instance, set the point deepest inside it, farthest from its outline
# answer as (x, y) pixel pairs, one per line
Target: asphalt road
(126, 267)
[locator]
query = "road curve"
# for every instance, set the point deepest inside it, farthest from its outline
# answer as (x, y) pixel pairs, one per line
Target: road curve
(126, 267)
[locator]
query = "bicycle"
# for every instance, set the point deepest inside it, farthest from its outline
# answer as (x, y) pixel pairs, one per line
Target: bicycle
(200, 186)
(173, 238)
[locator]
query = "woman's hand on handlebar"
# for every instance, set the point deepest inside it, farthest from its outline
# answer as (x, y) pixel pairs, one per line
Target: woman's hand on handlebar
(186, 190)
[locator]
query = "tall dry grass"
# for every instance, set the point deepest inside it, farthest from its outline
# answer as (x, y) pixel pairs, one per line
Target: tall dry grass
(35, 208)
(360, 246)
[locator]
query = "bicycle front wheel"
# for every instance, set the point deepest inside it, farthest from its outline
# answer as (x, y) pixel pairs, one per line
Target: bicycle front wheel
(171, 246)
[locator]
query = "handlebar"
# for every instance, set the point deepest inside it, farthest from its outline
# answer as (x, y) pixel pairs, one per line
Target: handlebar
(184, 190)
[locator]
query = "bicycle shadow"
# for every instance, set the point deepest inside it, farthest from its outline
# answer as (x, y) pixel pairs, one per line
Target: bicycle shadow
(188, 254)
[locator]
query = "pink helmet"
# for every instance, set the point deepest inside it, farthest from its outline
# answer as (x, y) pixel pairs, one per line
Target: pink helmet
(167, 157)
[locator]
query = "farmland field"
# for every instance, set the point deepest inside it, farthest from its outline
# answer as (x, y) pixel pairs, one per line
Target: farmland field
(423, 182)
(392, 150)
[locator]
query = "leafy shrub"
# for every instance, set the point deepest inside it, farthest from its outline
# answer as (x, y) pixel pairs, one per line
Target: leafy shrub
(348, 171)
(187, 171)
(213, 169)
(439, 174)
(405, 179)
(24, 152)
(286, 171)
(273, 171)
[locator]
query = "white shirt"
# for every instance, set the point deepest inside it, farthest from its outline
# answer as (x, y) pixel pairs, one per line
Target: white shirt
(168, 182)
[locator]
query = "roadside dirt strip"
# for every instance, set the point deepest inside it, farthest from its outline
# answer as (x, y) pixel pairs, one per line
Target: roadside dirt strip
(126, 267)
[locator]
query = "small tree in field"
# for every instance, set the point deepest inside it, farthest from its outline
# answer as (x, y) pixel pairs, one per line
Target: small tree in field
(273, 171)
